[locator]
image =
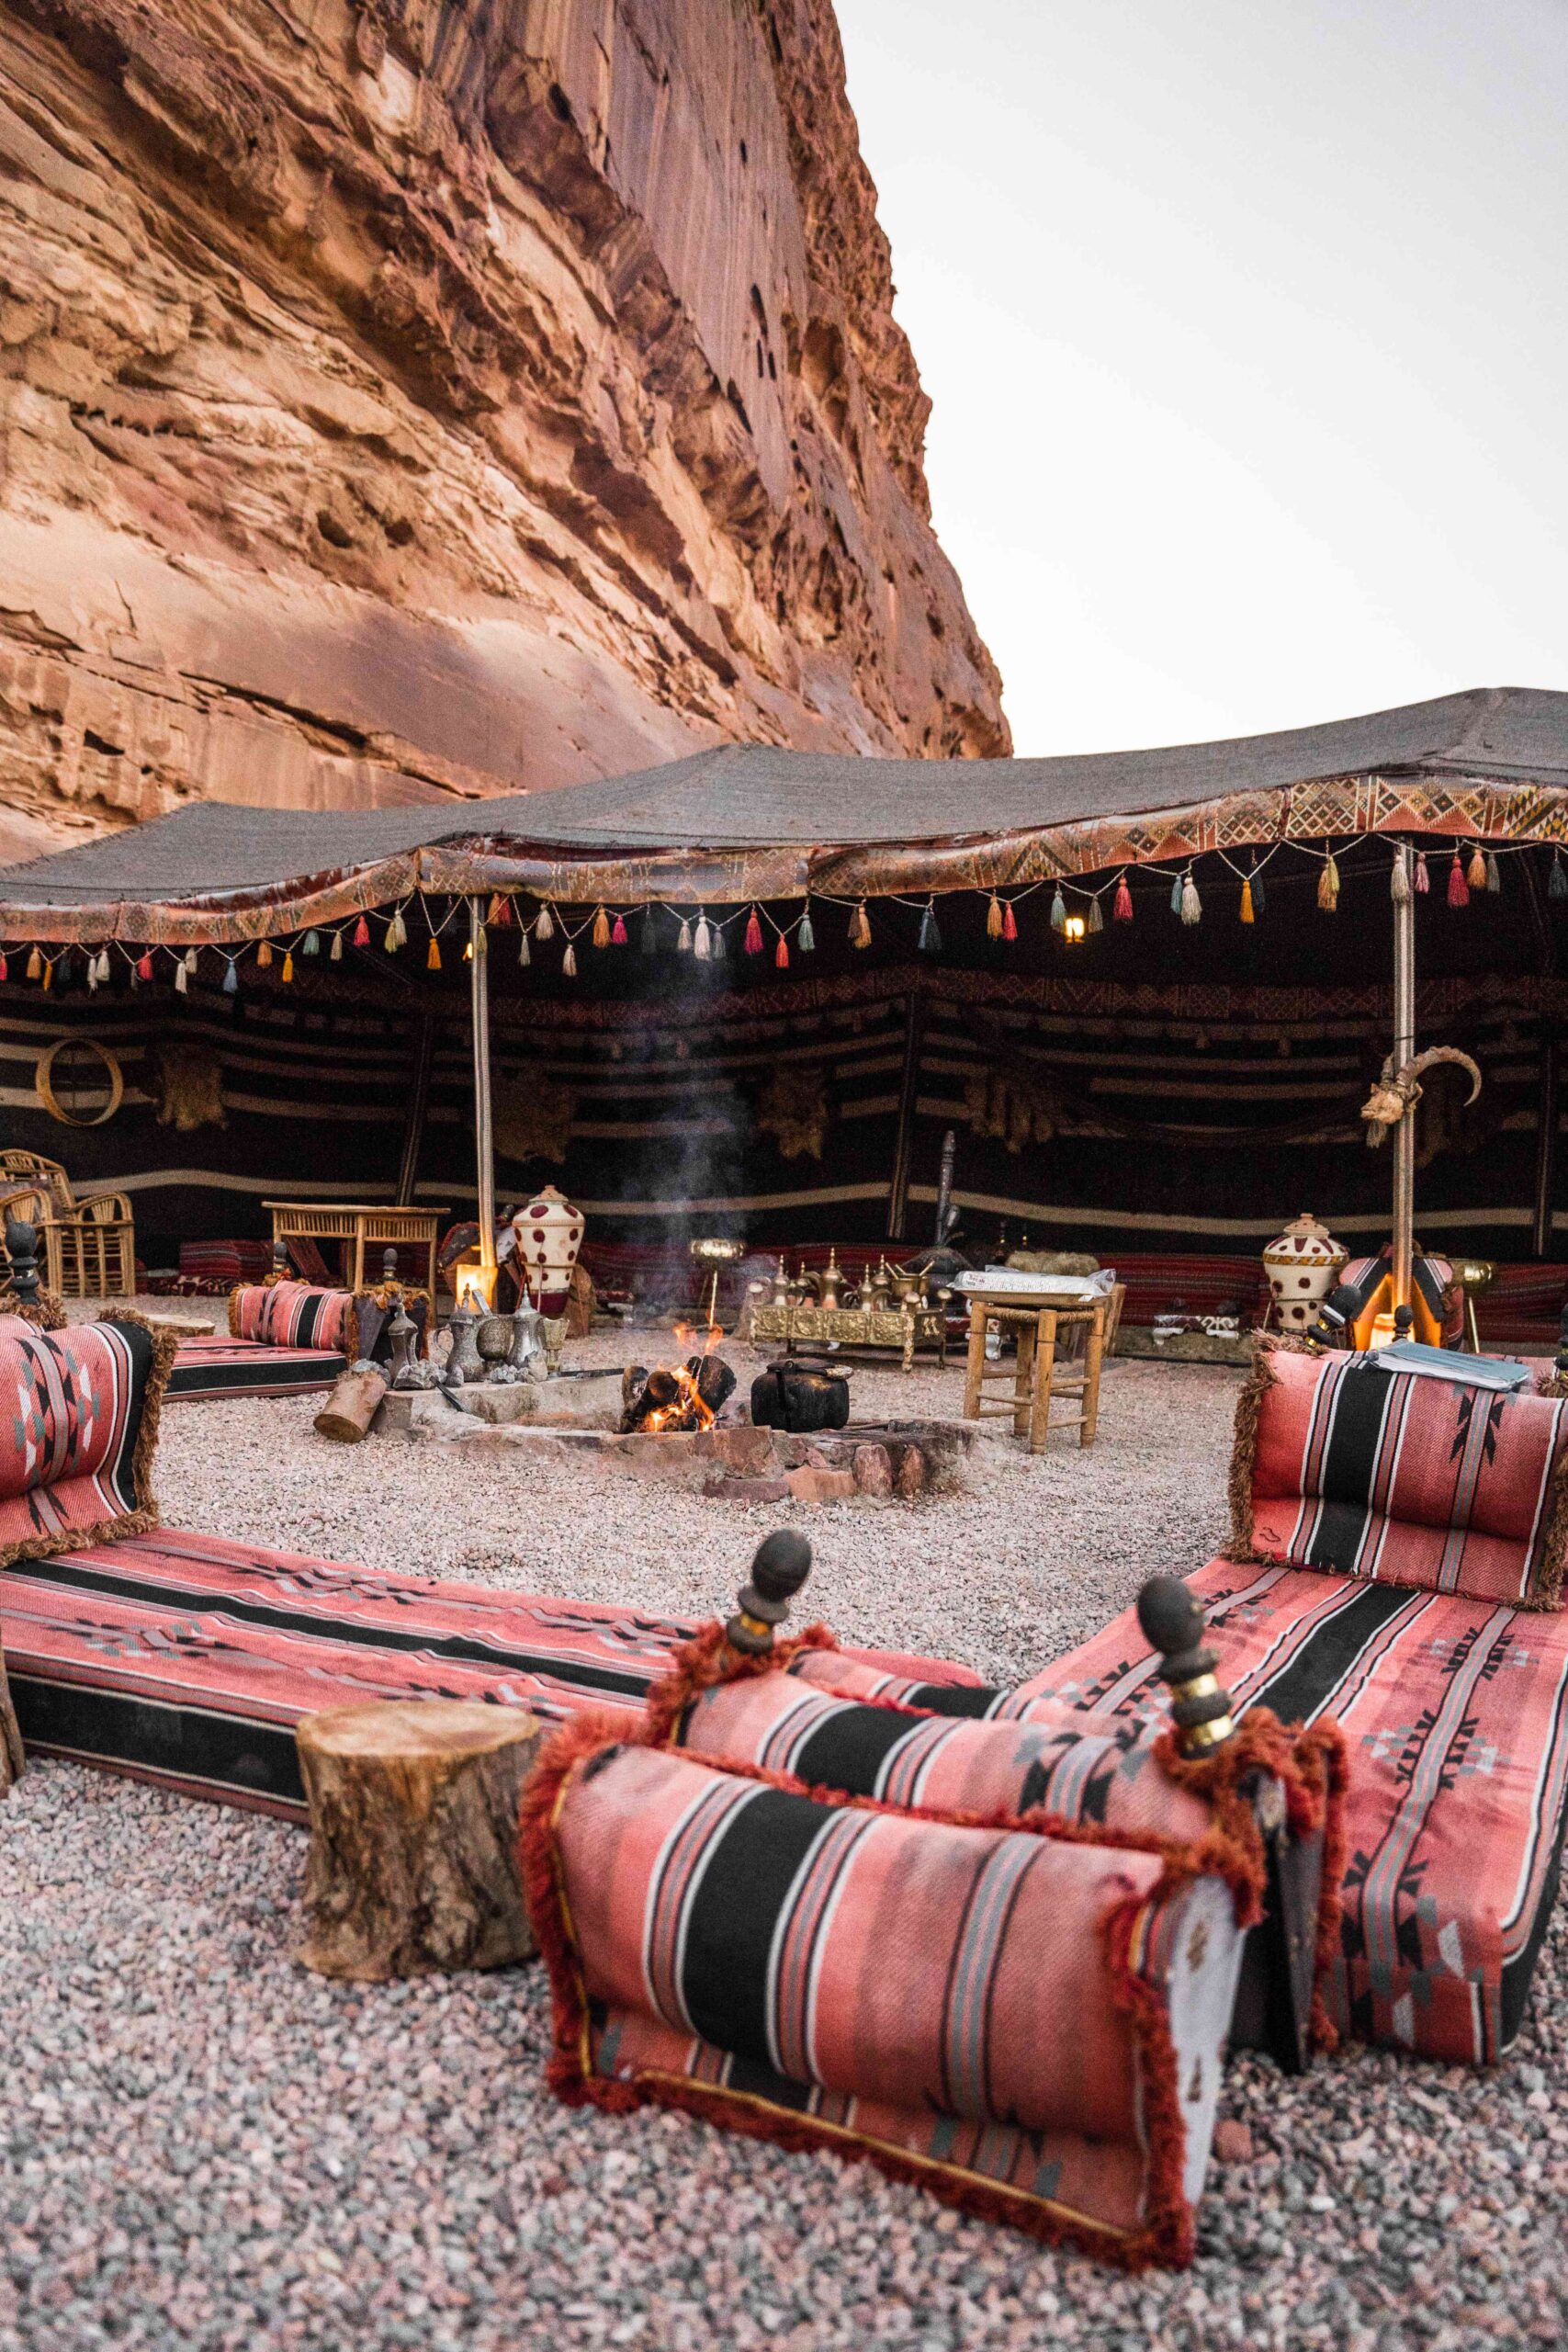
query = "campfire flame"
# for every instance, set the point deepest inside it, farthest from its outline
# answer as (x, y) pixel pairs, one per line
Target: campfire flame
(687, 1411)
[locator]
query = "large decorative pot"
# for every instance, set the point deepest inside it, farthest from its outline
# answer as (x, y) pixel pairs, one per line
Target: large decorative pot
(1302, 1267)
(549, 1235)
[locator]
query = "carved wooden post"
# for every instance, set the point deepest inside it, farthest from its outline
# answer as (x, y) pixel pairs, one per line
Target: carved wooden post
(781, 1567)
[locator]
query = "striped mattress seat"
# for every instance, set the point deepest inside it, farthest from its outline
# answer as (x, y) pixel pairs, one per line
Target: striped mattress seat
(1455, 1715)
(186, 1660)
(224, 1367)
(292, 1315)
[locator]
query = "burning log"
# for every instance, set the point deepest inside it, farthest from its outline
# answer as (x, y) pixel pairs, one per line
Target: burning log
(675, 1397)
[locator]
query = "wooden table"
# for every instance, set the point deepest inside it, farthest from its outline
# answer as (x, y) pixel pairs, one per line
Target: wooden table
(358, 1227)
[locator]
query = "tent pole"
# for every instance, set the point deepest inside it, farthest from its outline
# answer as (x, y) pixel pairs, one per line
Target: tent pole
(1546, 1145)
(898, 1190)
(419, 1106)
(478, 984)
(1403, 1051)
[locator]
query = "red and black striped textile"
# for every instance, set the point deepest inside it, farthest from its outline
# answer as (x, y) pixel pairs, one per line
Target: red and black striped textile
(1030, 2024)
(185, 1660)
(75, 1446)
(292, 1315)
(1455, 1715)
(1404, 1477)
(207, 1369)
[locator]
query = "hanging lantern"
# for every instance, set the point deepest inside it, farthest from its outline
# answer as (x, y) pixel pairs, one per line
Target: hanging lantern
(569, 962)
(618, 931)
(702, 940)
(753, 942)
(1476, 876)
(601, 928)
(930, 941)
(1459, 889)
(994, 918)
(781, 953)
(859, 927)
(1423, 879)
(1122, 905)
(805, 937)
(230, 977)
(432, 955)
(336, 956)
(1328, 887)
(1191, 905)
(1247, 913)
(545, 929)
(1058, 910)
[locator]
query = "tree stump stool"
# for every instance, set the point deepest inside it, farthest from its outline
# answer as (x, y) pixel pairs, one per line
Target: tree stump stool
(352, 1407)
(413, 1869)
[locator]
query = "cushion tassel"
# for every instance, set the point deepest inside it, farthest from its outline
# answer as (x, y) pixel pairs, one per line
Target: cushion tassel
(288, 972)
(500, 914)
(1191, 905)
(93, 974)
(1009, 923)
(753, 942)
(683, 937)
(336, 956)
(4, 967)
(143, 964)
(1176, 896)
(1458, 888)
(721, 945)
(263, 957)
(525, 952)
(312, 943)
(48, 974)
(1122, 905)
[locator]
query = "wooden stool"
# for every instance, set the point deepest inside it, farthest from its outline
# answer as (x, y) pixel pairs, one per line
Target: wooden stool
(1040, 1373)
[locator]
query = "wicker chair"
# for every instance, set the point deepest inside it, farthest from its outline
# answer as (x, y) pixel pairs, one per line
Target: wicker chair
(89, 1245)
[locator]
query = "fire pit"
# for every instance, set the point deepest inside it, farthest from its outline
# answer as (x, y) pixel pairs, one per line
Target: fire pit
(674, 1400)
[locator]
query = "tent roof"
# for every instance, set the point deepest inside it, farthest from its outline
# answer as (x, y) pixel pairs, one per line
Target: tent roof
(748, 820)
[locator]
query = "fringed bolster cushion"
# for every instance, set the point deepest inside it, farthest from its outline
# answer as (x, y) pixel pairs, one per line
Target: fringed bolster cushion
(293, 1315)
(76, 1447)
(1030, 2026)
(1342, 1464)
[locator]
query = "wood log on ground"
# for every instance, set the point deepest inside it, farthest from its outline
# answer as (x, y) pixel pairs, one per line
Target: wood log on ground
(352, 1407)
(413, 1868)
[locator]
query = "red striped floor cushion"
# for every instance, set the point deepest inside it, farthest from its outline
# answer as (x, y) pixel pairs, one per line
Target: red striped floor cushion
(292, 1315)
(1343, 1465)
(76, 1447)
(186, 1660)
(1455, 1715)
(1030, 2025)
(222, 1367)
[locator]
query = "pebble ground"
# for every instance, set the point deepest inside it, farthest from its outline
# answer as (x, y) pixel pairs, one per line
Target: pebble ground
(201, 2144)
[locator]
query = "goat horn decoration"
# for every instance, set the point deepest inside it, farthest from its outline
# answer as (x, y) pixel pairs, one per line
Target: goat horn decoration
(1397, 1091)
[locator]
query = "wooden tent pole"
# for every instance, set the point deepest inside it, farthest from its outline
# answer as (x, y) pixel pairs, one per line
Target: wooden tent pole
(1403, 1051)
(484, 1145)
(898, 1191)
(1546, 1143)
(419, 1106)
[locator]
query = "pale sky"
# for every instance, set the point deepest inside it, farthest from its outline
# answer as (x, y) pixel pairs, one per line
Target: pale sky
(1246, 324)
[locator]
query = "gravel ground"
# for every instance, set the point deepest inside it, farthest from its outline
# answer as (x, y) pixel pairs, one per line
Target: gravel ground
(201, 2144)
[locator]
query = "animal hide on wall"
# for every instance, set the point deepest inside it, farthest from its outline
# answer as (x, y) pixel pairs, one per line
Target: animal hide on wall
(793, 1109)
(187, 1086)
(534, 1117)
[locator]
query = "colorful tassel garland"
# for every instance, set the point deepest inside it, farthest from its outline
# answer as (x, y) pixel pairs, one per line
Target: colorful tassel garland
(545, 929)
(994, 918)
(499, 915)
(1328, 888)
(312, 943)
(601, 928)
(930, 941)
(231, 979)
(1557, 880)
(336, 956)
(569, 962)
(1096, 915)
(1058, 910)
(1247, 913)
(753, 933)
(288, 972)
(182, 980)
(1459, 889)
(143, 964)
(1009, 923)
(702, 940)
(1476, 877)
(1423, 879)
(1191, 905)
(618, 931)
(683, 938)
(264, 956)
(781, 953)
(805, 937)
(1122, 905)
(525, 954)
(432, 955)
(859, 927)
(1493, 875)
(362, 933)
(390, 937)
(1399, 882)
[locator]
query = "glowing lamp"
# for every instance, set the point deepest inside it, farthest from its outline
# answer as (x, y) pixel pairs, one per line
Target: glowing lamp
(473, 1284)
(1384, 1331)
(1073, 929)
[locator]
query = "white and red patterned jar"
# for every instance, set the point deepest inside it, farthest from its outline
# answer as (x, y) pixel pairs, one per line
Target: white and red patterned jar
(549, 1235)
(1302, 1267)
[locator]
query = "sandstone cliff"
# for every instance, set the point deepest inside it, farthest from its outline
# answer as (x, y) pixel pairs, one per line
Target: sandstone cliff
(430, 396)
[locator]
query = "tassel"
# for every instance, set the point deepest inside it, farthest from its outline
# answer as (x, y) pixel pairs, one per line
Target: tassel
(805, 937)
(432, 955)
(1494, 877)
(182, 980)
(702, 940)
(569, 962)
(859, 927)
(1191, 905)
(781, 953)
(525, 954)
(143, 964)
(1247, 913)
(1328, 887)
(190, 961)
(720, 943)
(1476, 877)
(1176, 896)
(312, 943)
(231, 979)
(1121, 906)
(753, 933)
(1423, 879)
(336, 956)
(48, 975)
(362, 933)
(288, 972)
(1459, 889)
(994, 918)
(1557, 880)
(649, 941)
(618, 931)
(499, 914)
(601, 928)
(1096, 916)
(93, 974)
(264, 956)
(1058, 910)
(683, 938)
(1399, 882)
(545, 929)
(930, 941)
(401, 927)
(4, 967)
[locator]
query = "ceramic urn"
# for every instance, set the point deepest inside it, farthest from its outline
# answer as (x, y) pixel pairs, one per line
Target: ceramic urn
(549, 1235)
(1302, 1267)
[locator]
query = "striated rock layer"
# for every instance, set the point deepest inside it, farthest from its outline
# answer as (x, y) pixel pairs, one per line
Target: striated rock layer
(431, 396)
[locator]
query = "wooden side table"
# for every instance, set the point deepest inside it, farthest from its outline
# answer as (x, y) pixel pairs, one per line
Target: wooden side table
(905, 1328)
(1037, 1375)
(359, 1228)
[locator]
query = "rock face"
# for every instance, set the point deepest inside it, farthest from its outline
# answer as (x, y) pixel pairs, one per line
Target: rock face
(447, 396)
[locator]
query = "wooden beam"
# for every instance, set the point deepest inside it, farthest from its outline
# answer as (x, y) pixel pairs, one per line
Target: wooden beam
(419, 1107)
(484, 1129)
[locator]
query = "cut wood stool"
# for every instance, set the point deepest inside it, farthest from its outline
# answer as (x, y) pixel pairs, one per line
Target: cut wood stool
(413, 1869)
(1040, 1371)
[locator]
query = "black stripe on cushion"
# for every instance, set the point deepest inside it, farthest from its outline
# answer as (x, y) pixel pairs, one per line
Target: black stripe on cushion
(1349, 1461)
(140, 1345)
(732, 1913)
(220, 1751)
(280, 1378)
(848, 1748)
(1307, 1684)
(953, 1698)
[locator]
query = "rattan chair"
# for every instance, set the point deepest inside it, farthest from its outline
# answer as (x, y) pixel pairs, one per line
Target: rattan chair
(89, 1245)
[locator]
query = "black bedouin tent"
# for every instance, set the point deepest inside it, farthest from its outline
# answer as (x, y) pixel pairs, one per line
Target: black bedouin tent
(753, 988)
